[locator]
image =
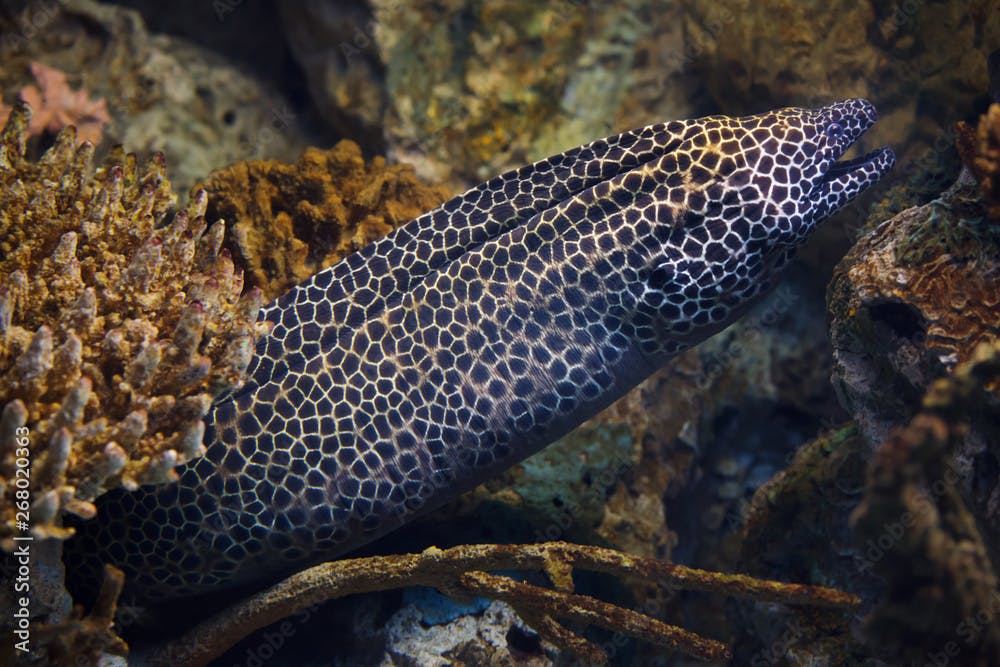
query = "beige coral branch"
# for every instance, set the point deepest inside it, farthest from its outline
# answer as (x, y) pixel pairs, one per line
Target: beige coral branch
(547, 605)
(465, 570)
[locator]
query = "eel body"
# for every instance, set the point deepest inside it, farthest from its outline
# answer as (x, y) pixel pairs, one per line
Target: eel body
(478, 333)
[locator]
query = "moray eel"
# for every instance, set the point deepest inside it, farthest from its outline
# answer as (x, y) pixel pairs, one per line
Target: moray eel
(475, 335)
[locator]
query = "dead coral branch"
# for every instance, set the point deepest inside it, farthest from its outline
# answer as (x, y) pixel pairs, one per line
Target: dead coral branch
(464, 570)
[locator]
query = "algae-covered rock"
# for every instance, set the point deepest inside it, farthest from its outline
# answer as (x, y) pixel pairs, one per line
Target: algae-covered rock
(163, 93)
(912, 307)
(910, 302)
(905, 55)
(914, 298)
(290, 220)
(334, 45)
(924, 538)
(510, 81)
(915, 323)
(465, 90)
(796, 529)
(116, 330)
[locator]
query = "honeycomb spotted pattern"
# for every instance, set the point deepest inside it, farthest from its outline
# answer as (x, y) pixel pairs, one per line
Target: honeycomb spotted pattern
(478, 333)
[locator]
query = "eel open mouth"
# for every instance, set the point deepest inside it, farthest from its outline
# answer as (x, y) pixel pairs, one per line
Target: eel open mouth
(838, 169)
(843, 181)
(846, 179)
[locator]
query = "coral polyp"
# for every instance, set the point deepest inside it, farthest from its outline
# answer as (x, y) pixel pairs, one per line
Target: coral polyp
(117, 326)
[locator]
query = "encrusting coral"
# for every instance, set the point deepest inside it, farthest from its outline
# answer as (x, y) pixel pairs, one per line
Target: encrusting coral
(289, 221)
(116, 331)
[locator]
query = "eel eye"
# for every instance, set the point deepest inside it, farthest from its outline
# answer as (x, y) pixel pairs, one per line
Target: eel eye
(834, 130)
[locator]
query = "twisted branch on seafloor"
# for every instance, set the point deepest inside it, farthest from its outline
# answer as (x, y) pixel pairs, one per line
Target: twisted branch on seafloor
(464, 570)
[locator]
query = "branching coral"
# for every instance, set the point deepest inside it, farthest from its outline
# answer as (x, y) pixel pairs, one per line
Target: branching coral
(115, 329)
(461, 571)
(291, 220)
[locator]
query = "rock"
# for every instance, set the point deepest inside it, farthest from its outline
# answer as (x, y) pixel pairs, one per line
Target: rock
(335, 46)
(910, 302)
(912, 308)
(464, 91)
(163, 93)
(924, 540)
(497, 636)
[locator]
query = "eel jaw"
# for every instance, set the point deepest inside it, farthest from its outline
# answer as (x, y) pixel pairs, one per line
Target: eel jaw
(845, 180)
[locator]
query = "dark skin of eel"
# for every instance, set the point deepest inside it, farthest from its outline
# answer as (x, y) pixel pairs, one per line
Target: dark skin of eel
(475, 335)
